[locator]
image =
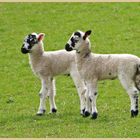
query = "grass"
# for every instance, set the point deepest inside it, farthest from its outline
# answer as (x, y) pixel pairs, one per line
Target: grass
(115, 30)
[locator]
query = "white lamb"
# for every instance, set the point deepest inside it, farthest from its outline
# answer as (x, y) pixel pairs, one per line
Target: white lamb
(94, 67)
(49, 64)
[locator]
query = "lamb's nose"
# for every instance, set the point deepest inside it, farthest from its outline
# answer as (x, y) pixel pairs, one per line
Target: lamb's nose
(23, 50)
(68, 48)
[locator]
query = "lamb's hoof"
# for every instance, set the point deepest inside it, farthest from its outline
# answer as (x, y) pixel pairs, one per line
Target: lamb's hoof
(82, 111)
(86, 114)
(54, 110)
(41, 112)
(134, 113)
(94, 116)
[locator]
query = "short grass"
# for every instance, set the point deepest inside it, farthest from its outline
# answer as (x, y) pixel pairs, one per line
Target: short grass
(116, 29)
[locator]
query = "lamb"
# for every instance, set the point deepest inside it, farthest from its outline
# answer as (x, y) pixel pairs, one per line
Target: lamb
(46, 65)
(95, 67)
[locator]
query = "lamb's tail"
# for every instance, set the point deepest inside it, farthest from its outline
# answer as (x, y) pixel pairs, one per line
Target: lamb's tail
(137, 77)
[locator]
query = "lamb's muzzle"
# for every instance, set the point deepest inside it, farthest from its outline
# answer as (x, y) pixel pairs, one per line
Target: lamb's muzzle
(68, 48)
(24, 50)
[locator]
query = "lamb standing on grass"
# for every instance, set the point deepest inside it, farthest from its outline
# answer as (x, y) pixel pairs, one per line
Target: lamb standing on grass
(49, 64)
(94, 67)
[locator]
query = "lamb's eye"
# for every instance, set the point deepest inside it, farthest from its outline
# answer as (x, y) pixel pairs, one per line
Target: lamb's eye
(76, 39)
(33, 40)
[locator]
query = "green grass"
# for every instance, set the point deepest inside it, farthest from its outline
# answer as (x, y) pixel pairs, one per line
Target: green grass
(116, 29)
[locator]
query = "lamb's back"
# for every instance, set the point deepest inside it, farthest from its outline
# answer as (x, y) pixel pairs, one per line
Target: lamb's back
(57, 62)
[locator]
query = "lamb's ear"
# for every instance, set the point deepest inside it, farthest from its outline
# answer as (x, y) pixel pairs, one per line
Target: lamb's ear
(87, 33)
(41, 36)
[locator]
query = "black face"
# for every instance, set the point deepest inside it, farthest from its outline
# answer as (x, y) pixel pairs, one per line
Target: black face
(28, 43)
(72, 41)
(78, 34)
(76, 40)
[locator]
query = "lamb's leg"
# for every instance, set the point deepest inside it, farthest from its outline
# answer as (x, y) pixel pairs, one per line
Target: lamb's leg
(134, 102)
(52, 93)
(132, 91)
(92, 97)
(88, 104)
(81, 88)
(42, 94)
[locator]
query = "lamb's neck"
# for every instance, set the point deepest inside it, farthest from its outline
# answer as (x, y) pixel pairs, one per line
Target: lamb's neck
(85, 53)
(36, 54)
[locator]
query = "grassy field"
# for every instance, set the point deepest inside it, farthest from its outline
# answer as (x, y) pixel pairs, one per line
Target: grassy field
(116, 29)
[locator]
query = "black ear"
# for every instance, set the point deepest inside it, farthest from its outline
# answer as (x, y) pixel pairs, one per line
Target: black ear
(87, 33)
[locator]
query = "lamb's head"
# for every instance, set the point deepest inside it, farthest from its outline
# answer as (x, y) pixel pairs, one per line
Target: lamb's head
(78, 41)
(31, 41)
